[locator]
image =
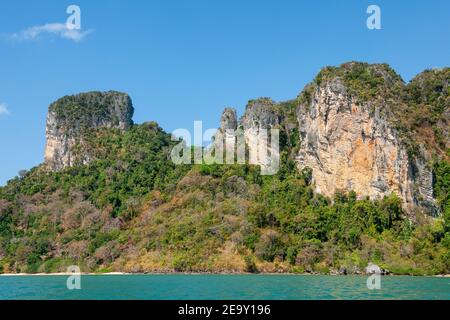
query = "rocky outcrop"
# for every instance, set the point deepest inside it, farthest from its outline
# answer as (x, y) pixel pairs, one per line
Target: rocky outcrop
(70, 118)
(228, 120)
(261, 115)
(351, 127)
(347, 135)
(250, 140)
(223, 149)
(351, 145)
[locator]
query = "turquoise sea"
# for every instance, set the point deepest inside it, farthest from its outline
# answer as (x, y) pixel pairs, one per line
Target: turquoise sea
(277, 287)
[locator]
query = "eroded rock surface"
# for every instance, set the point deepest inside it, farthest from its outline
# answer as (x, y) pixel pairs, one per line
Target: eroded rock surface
(70, 118)
(352, 146)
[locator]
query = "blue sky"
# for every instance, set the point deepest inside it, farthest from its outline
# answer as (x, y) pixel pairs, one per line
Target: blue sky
(182, 61)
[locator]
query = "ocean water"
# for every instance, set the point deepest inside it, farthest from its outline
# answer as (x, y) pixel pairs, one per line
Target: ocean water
(180, 287)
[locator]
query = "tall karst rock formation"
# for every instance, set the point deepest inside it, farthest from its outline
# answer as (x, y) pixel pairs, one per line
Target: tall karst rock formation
(355, 126)
(349, 138)
(71, 118)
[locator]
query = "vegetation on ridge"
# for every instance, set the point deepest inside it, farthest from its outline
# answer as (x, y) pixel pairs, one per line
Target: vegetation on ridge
(131, 209)
(85, 110)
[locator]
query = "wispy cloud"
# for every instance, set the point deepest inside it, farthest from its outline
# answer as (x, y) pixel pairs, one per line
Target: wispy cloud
(53, 29)
(3, 109)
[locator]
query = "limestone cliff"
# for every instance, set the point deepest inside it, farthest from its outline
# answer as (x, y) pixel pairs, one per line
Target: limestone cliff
(260, 116)
(70, 118)
(250, 137)
(354, 128)
(351, 143)
(228, 120)
(357, 127)
(224, 141)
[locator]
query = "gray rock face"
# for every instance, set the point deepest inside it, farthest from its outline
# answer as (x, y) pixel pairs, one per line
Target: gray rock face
(71, 117)
(260, 114)
(233, 137)
(228, 120)
(225, 138)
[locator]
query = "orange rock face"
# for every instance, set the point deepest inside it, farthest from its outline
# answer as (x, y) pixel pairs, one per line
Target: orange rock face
(351, 147)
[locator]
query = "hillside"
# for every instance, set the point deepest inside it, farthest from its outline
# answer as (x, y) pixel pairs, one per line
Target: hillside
(364, 177)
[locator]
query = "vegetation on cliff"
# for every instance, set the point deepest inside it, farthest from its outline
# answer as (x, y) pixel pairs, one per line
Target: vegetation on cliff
(83, 111)
(131, 209)
(427, 116)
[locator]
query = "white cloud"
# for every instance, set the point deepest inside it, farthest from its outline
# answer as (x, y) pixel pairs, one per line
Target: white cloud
(56, 29)
(3, 109)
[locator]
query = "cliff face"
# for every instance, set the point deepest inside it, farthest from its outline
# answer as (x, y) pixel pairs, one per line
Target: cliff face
(70, 118)
(260, 116)
(250, 139)
(352, 146)
(228, 120)
(356, 127)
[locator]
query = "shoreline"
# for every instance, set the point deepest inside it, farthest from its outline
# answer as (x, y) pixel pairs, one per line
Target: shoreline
(202, 273)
